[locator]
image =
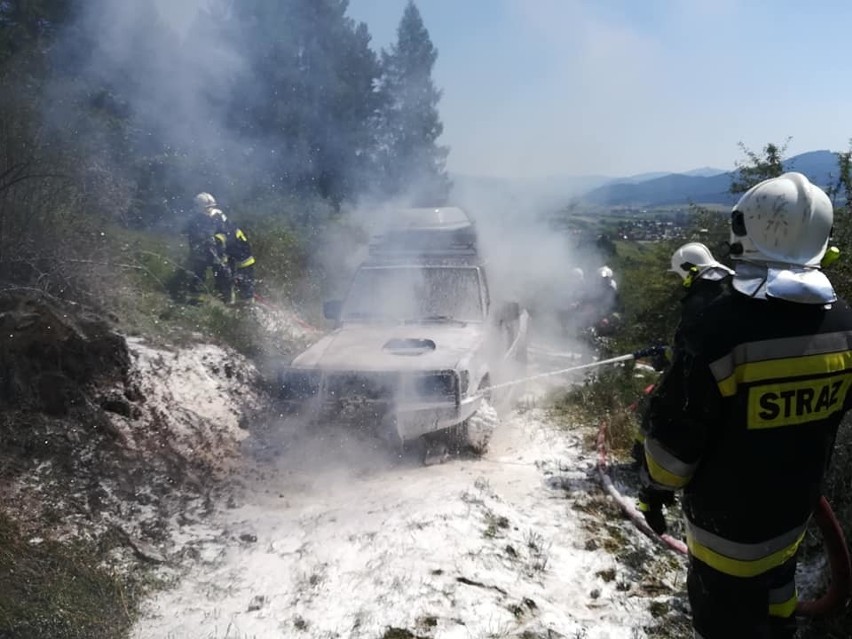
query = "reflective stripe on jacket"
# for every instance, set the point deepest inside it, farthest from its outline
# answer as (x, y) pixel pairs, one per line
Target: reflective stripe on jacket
(235, 245)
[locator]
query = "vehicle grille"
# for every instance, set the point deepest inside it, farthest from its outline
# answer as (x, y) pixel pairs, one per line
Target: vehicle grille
(342, 386)
(391, 386)
(299, 385)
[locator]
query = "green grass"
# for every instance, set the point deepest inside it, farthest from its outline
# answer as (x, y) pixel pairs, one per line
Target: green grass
(145, 292)
(60, 590)
(608, 396)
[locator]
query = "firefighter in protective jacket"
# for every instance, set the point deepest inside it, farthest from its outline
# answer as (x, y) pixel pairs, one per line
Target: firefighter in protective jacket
(234, 245)
(747, 428)
(204, 251)
(704, 279)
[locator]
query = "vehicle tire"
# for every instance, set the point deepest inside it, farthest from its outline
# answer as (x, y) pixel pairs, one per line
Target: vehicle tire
(470, 438)
(476, 431)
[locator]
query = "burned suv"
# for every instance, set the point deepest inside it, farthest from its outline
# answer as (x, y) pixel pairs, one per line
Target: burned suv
(418, 339)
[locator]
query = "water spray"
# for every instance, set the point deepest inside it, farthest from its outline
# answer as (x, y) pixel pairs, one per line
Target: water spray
(571, 369)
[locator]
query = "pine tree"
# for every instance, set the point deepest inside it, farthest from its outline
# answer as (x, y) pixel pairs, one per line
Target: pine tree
(310, 95)
(411, 161)
(30, 24)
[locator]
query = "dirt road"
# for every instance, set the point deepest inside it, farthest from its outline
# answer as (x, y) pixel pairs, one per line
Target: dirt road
(329, 537)
(324, 534)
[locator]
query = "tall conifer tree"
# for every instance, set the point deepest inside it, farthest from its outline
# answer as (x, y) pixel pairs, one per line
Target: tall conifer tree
(412, 161)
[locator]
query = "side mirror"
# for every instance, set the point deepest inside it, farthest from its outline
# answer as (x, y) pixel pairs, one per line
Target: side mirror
(508, 312)
(331, 309)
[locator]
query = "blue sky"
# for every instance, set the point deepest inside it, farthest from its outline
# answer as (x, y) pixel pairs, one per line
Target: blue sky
(534, 88)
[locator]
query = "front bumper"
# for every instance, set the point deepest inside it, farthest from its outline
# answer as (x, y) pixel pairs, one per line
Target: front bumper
(412, 421)
(383, 402)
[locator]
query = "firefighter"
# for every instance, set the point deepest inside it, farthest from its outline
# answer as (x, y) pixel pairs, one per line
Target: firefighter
(567, 312)
(234, 245)
(747, 429)
(204, 251)
(603, 302)
(704, 278)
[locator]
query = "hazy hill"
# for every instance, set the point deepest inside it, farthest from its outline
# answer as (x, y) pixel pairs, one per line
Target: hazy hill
(705, 185)
(696, 186)
(484, 195)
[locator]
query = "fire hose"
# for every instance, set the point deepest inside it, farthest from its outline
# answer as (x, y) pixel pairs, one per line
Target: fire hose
(604, 362)
(836, 549)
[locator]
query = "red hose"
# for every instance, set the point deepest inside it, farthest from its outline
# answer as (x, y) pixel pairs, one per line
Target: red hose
(626, 504)
(835, 597)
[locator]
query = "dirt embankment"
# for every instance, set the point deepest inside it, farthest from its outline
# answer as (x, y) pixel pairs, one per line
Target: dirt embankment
(90, 420)
(103, 440)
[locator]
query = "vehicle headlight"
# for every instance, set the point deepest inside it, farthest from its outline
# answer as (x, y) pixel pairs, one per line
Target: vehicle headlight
(464, 382)
(433, 385)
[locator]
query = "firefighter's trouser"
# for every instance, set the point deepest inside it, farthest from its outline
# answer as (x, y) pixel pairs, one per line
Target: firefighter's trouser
(198, 265)
(244, 282)
(728, 607)
(224, 282)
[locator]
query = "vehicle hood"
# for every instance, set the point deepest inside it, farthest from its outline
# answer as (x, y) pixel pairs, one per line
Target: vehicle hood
(414, 347)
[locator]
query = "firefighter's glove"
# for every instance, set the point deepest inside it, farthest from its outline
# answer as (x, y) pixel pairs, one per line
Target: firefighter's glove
(661, 359)
(660, 356)
(650, 504)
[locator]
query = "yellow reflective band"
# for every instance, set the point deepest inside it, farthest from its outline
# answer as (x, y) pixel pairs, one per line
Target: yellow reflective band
(246, 262)
(728, 386)
(741, 567)
(784, 609)
(220, 237)
(795, 367)
(240, 235)
(666, 469)
(662, 476)
(809, 365)
(832, 254)
(773, 405)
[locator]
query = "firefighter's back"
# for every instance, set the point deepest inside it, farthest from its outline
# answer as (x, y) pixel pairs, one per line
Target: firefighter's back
(777, 388)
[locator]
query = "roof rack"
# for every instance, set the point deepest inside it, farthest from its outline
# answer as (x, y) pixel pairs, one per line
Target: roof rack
(433, 232)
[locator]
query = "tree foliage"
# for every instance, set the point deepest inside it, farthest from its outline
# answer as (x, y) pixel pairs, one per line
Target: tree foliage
(29, 25)
(309, 95)
(411, 160)
(761, 166)
(111, 114)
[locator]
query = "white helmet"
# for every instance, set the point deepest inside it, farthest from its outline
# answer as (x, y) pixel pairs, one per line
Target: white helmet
(214, 212)
(204, 201)
(577, 274)
(605, 272)
(690, 255)
(782, 220)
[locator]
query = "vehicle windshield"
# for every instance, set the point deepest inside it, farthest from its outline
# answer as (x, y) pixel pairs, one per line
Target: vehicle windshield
(414, 294)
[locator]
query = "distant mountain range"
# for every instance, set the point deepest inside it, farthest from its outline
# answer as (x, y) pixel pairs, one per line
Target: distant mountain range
(704, 185)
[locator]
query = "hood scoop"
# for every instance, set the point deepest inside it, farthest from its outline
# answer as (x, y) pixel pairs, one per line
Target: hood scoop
(409, 346)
